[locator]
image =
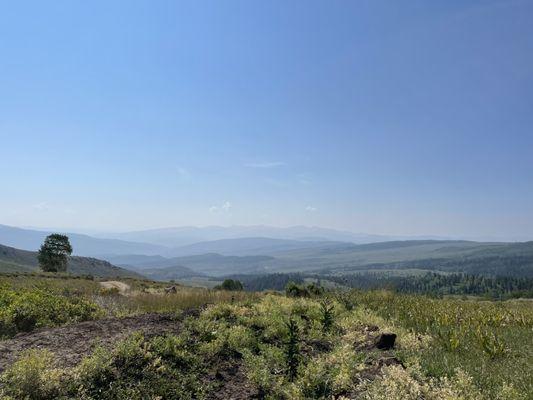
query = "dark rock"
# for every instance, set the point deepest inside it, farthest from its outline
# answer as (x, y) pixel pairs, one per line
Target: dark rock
(386, 341)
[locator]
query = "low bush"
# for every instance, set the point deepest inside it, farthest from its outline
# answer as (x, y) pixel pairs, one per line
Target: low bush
(25, 310)
(312, 289)
(33, 377)
(140, 369)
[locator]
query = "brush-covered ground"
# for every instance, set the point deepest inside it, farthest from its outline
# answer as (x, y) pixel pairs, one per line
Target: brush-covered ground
(67, 338)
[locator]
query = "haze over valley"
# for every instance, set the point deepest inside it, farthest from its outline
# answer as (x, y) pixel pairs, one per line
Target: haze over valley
(178, 253)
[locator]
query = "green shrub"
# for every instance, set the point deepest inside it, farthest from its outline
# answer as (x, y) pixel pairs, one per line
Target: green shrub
(294, 290)
(25, 310)
(140, 369)
(33, 377)
(231, 285)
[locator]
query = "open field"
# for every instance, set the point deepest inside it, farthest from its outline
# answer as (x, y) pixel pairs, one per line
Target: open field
(197, 343)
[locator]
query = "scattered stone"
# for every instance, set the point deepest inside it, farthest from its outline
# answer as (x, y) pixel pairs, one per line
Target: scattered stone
(371, 328)
(171, 289)
(388, 361)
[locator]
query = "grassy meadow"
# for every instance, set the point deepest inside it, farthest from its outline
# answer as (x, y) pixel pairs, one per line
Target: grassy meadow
(318, 345)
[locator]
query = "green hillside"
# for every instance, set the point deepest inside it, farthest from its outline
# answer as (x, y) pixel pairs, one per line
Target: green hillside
(16, 260)
(510, 259)
(168, 273)
(499, 259)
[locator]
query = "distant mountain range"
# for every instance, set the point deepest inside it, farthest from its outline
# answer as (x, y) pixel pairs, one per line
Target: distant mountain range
(83, 245)
(16, 260)
(187, 235)
(502, 259)
(180, 241)
(219, 251)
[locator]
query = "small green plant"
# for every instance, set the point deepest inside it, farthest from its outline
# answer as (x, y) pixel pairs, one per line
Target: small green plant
(327, 320)
(292, 351)
(345, 299)
(491, 344)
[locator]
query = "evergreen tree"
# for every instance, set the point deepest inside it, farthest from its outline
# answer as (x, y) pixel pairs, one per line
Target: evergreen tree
(54, 252)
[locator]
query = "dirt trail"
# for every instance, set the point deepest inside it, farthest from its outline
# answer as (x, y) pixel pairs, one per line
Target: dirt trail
(120, 286)
(73, 342)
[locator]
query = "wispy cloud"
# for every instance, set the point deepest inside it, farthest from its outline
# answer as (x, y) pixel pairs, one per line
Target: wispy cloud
(42, 206)
(225, 207)
(266, 164)
(310, 209)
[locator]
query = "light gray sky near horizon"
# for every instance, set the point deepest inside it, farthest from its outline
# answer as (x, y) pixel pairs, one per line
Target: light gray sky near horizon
(385, 117)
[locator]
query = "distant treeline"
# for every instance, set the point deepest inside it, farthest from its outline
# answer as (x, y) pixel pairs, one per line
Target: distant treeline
(497, 265)
(441, 284)
(257, 283)
(428, 283)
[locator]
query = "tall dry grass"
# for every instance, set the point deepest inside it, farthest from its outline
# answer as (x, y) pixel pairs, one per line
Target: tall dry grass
(185, 298)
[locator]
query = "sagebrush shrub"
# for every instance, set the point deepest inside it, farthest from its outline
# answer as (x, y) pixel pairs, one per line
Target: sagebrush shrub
(25, 310)
(33, 377)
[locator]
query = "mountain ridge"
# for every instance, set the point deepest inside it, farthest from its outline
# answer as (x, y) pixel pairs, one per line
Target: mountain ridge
(83, 245)
(18, 260)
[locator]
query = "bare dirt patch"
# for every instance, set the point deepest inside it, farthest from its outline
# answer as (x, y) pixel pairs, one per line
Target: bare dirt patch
(120, 286)
(73, 342)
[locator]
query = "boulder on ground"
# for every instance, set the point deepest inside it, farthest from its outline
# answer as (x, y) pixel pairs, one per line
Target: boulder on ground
(171, 289)
(386, 341)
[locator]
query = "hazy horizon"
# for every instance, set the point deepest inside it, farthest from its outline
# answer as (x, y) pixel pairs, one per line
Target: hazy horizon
(388, 118)
(104, 233)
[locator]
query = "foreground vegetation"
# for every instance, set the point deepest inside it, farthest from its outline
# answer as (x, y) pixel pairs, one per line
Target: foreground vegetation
(490, 341)
(31, 301)
(310, 344)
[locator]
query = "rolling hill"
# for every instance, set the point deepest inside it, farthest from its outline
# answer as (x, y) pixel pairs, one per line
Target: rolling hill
(211, 264)
(16, 260)
(249, 246)
(170, 273)
(503, 259)
(258, 255)
(83, 245)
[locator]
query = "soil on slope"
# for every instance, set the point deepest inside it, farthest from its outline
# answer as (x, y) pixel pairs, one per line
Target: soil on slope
(71, 343)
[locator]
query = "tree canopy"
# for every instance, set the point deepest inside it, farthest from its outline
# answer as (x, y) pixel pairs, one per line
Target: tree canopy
(54, 252)
(230, 284)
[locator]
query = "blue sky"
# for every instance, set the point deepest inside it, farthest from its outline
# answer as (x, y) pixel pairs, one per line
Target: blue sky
(375, 116)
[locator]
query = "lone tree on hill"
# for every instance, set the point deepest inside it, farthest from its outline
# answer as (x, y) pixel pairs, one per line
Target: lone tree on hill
(54, 252)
